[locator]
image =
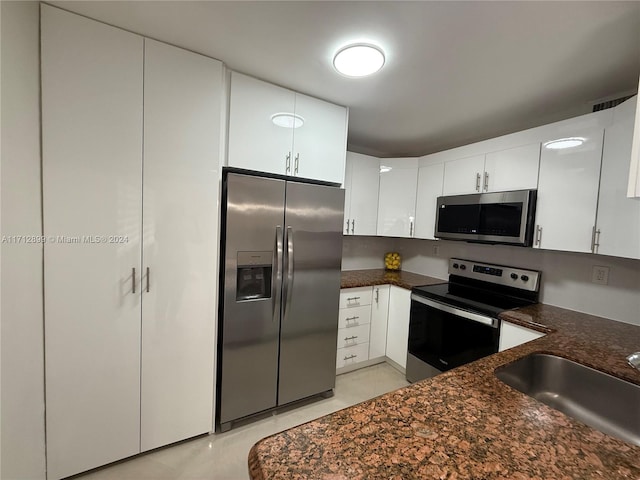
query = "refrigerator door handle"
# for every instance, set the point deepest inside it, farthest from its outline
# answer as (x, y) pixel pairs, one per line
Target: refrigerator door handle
(290, 268)
(276, 286)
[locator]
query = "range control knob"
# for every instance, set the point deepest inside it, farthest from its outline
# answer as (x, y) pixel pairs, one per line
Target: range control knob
(463, 267)
(514, 276)
(455, 265)
(524, 278)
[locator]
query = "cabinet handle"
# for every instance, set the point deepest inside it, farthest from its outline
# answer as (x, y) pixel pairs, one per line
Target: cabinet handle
(353, 226)
(411, 226)
(148, 272)
(133, 280)
(295, 171)
(347, 230)
(353, 298)
(595, 239)
(352, 337)
(288, 162)
(348, 319)
(353, 355)
(538, 235)
(477, 182)
(377, 295)
(486, 181)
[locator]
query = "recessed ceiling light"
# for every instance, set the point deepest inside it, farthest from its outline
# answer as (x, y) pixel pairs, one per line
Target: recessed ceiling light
(287, 120)
(358, 60)
(561, 143)
(385, 169)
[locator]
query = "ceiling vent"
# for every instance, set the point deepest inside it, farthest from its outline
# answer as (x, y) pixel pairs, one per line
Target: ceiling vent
(610, 103)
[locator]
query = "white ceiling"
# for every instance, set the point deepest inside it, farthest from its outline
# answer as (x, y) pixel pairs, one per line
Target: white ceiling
(456, 72)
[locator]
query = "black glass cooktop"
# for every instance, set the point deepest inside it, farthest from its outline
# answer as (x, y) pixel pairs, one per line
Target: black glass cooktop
(474, 298)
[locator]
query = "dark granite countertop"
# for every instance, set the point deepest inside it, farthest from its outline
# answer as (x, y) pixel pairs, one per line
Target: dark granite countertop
(380, 276)
(467, 424)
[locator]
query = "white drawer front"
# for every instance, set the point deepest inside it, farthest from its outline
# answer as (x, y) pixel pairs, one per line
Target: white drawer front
(352, 317)
(355, 297)
(351, 355)
(350, 337)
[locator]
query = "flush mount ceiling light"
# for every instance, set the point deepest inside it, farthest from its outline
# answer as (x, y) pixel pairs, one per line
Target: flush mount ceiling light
(358, 60)
(287, 120)
(561, 143)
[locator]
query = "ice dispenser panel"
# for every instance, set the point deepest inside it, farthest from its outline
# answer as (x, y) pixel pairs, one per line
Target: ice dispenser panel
(254, 275)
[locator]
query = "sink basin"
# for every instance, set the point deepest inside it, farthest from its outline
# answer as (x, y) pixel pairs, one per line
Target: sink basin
(602, 401)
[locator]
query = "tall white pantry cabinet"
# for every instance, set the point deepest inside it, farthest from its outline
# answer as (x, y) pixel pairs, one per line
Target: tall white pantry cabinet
(131, 144)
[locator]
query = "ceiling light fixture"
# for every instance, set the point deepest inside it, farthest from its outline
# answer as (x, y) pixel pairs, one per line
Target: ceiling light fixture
(358, 60)
(287, 120)
(562, 143)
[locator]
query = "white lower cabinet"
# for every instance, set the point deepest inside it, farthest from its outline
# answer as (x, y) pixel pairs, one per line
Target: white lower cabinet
(379, 318)
(513, 335)
(129, 310)
(398, 325)
(353, 326)
(351, 356)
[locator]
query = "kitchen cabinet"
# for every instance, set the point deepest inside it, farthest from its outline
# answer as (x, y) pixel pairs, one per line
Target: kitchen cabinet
(618, 218)
(128, 311)
(379, 320)
(568, 192)
(353, 326)
(309, 141)
(430, 180)
(398, 325)
(633, 189)
(361, 194)
(512, 335)
(510, 169)
(397, 198)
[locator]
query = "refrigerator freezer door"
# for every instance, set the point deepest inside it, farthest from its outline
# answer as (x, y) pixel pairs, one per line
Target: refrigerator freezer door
(249, 337)
(311, 291)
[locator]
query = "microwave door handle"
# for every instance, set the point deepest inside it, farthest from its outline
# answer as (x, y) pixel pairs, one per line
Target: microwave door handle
(491, 322)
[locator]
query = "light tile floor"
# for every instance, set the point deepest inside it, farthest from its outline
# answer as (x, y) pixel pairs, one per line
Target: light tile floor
(223, 456)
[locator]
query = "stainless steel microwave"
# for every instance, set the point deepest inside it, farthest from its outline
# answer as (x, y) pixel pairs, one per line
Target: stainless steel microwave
(500, 217)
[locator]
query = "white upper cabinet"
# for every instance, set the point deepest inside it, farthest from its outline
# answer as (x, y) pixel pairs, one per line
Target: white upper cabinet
(618, 225)
(568, 190)
(430, 178)
(275, 130)
(463, 176)
(397, 199)
(512, 169)
(361, 194)
(320, 144)
(92, 84)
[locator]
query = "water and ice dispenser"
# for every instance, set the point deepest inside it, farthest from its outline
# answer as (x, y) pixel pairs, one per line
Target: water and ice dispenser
(254, 275)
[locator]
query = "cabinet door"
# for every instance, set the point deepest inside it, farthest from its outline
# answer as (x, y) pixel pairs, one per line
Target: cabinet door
(398, 326)
(182, 105)
(255, 141)
(92, 181)
(512, 169)
(568, 193)
(463, 175)
(364, 194)
(379, 316)
(397, 200)
(513, 335)
(618, 215)
(348, 180)
(320, 144)
(429, 189)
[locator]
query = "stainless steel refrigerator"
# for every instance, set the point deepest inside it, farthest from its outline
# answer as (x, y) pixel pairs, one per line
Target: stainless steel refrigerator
(280, 284)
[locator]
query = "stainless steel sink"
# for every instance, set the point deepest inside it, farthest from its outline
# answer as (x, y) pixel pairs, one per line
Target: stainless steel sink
(602, 401)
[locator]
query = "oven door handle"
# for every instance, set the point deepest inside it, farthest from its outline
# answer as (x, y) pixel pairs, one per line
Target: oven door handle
(491, 322)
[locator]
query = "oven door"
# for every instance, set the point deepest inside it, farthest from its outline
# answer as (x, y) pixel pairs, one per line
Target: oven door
(442, 337)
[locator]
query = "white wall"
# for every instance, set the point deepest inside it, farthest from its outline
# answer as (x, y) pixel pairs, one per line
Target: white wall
(566, 277)
(22, 410)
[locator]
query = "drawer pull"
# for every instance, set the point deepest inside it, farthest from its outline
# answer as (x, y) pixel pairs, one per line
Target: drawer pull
(352, 299)
(350, 357)
(348, 319)
(352, 337)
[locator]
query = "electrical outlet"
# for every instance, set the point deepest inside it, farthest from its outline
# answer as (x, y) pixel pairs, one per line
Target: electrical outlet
(600, 275)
